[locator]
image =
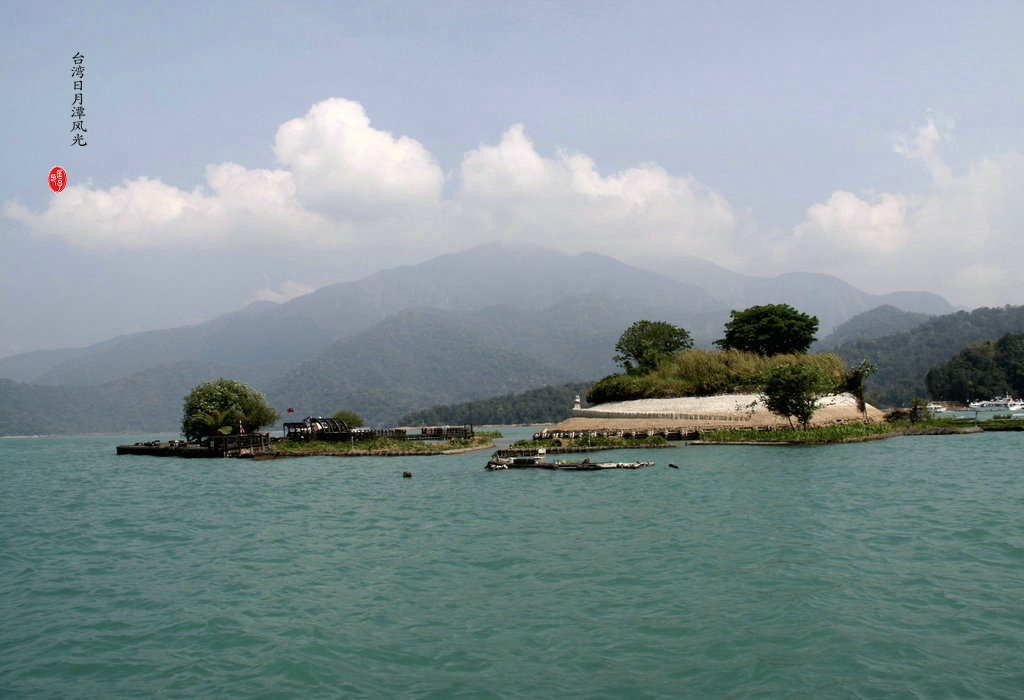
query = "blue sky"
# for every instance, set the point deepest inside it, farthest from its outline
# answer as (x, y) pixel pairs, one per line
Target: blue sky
(242, 151)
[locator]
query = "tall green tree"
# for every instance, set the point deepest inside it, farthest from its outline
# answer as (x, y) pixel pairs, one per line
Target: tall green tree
(792, 390)
(221, 406)
(771, 329)
(1010, 356)
(350, 418)
(641, 345)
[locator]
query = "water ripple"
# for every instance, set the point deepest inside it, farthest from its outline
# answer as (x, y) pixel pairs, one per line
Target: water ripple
(893, 568)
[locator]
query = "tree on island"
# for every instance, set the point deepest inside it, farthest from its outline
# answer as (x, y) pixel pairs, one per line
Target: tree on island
(853, 382)
(349, 418)
(223, 407)
(772, 329)
(792, 390)
(641, 345)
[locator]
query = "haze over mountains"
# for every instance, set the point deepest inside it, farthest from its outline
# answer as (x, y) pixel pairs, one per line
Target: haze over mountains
(487, 321)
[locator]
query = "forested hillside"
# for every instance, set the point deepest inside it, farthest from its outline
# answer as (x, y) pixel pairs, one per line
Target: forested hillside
(412, 360)
(877, 323)
(144, 402)
(982, 371)
(904, 359)
(549, 404)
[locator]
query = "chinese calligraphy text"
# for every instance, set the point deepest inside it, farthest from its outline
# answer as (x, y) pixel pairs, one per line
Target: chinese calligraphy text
(78, 104)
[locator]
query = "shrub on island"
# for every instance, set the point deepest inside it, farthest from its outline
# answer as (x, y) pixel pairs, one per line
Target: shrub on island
(707, 373)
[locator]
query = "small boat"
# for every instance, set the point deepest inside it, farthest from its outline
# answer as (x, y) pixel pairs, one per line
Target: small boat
(1004, 404)
(936, 407)
(539, 462)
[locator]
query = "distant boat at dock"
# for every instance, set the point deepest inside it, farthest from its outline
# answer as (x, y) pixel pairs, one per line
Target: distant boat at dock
(1003, 404)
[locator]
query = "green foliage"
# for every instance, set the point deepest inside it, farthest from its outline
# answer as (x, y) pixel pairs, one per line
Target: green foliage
(549, 404)
(904, 359)
(210, 405)
(223, 422)
(809, 436)
(772, 329)
(877, 323)
(643, 344)
(981, 371)
(413, 359)
(349, 418)
(916, 414)
(595, 441)
(792, 390)
(705, 373)
(382, 445)
(1001, 423)
(854, 381)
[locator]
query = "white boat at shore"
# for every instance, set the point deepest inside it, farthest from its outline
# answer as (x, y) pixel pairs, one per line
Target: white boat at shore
(1003, 404)
(936, 407)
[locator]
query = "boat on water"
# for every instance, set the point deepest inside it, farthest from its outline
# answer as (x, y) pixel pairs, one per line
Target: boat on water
(936, 407)
(1004, 404)
(539, 462)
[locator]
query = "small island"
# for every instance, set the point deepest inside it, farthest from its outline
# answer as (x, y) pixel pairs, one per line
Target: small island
(760, 387)
(223, 418)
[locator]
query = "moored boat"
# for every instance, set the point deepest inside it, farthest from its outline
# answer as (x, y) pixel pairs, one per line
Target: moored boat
(539, 462)
(1004, 404)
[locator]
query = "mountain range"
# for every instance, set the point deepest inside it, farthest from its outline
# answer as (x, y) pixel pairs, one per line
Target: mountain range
(487, 321)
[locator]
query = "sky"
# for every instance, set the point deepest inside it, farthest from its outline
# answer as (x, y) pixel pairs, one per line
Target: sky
(259, 150)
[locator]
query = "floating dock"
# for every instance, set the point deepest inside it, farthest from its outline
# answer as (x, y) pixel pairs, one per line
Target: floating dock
(538, 462)
(245, 446)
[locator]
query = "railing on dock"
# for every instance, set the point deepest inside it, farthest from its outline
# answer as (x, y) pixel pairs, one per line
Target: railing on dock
(672, 434)
(244, 445)
(303, 432)
(234, 445)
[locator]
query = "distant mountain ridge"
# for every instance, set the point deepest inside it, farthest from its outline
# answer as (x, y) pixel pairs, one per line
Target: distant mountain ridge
(829, 298)
(876, 323)
(490, 320)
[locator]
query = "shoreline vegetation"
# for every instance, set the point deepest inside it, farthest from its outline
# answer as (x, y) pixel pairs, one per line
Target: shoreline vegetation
(379, 447)
(592, 442)
(823, 435)
(864, 432)
(705, 373)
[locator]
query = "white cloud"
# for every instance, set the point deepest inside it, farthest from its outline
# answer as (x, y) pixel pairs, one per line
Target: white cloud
(286, 291)
(344, 166)
(237, 207)
(925, 143)
(344, 185)
(510, 191)
(865, 227)
(960, 237)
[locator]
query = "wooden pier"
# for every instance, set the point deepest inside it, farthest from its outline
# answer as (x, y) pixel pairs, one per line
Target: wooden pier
(676, 434)
(673, 434)
(216, 446)
(331, 430)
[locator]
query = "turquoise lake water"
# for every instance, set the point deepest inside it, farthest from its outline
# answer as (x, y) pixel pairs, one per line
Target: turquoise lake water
(889, 569)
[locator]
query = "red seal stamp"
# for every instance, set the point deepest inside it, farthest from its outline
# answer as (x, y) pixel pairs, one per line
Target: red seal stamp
(58, 178)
